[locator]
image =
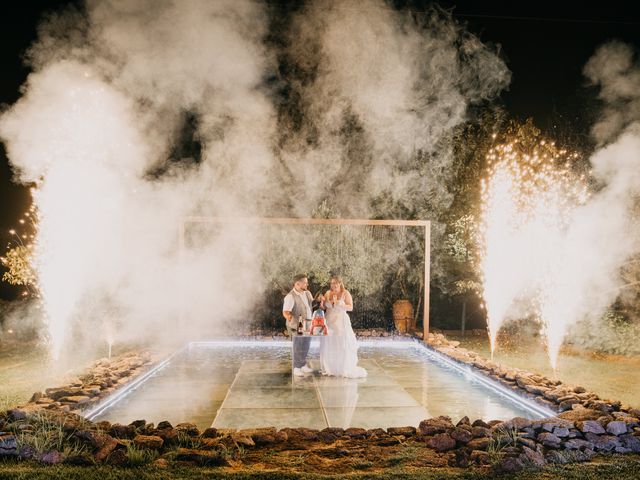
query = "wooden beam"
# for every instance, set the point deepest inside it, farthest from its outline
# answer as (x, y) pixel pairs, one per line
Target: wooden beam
(307, 221)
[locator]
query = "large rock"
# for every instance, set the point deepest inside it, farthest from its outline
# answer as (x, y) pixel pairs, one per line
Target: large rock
(434, 426)
(549, 440)
(122, 431)
(461, 435)
(480, 457)
(527, 442)
(188, 428)
(240, 439)
(442, 442)
(617, 428)
(168, 435)
(603, 443)
(567, 405)
(16, 414)
(118, 458)
(165, 424)
(8, 446)
(480, 423)
(532, 457)
(631, 442)
(523, 380)
(301, 433)
(51, 458)
(61, 392)
(97, 440)
(138, 424)
(268, 439)
(92, 391)
(578, 444)
(36, 396)
(463, 421)
(561, 432)
(150, 442)
(479, 443)
(479, 432)
(329, 434)
(511, 465)
(555, 394)
(549, 425)
(108, 445)
(579, 413)
(560, 457)
(518, 423)
(354, 432)
(536, 389)
(210, 432)
(628, 419)
(602, 405)
(404, 431)
(250, 432)
(590, 426)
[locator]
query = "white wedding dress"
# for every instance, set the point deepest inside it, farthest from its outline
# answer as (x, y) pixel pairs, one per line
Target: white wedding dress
(339, 349)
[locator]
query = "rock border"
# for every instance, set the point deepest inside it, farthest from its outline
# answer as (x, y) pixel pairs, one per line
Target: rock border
(98, 381)
(585, 426)
(553, 394)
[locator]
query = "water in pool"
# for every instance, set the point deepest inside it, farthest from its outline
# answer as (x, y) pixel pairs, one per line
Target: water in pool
(236, 385)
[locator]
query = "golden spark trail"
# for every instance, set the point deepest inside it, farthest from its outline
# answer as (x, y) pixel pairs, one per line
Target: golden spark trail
(527, 198)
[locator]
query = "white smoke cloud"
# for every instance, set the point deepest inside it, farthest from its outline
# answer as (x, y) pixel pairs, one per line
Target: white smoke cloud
(612, 68)
(406, 82)
(603, 234)
(104, 109)
(97, 117)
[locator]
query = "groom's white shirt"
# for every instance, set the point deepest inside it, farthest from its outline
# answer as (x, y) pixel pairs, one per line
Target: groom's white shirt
(289, 302)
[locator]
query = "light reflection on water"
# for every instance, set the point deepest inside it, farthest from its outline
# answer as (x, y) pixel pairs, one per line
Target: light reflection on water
(194, 385)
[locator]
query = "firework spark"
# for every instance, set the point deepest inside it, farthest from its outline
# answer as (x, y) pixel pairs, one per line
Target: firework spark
(527, 199)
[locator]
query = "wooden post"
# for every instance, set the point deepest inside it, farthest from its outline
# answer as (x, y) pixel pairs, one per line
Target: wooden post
(427, 276)
(181, 286)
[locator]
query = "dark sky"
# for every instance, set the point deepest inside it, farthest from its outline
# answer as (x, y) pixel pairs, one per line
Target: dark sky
(545, 45)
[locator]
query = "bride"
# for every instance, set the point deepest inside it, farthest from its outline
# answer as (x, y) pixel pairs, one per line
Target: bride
(339, 350)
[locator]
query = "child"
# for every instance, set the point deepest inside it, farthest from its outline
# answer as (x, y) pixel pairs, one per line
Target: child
(318, 325)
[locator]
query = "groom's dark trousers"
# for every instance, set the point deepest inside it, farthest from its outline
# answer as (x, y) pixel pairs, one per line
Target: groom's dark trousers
(301, 346)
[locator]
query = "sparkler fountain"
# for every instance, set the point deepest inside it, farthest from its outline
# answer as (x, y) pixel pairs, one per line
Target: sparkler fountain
(527, 199)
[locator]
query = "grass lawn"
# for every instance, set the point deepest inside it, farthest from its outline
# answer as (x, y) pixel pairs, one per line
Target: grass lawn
(26, 368)
(615, 467)
(23, 370)
(613, 377)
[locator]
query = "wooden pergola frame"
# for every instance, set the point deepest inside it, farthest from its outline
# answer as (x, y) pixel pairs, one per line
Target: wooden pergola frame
(330, 221)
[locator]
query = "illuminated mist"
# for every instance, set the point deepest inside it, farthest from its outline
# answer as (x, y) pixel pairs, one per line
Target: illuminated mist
(550, 250)
(102, 117)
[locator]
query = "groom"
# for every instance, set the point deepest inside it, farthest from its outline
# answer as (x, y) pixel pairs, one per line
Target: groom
(297, 304)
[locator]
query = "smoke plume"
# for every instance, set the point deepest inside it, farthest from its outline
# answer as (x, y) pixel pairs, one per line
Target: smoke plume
(569, 272)
(355, 105)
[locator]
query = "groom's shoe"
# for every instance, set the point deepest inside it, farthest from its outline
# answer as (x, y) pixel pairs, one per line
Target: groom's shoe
(306, 369)
(298, 372)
